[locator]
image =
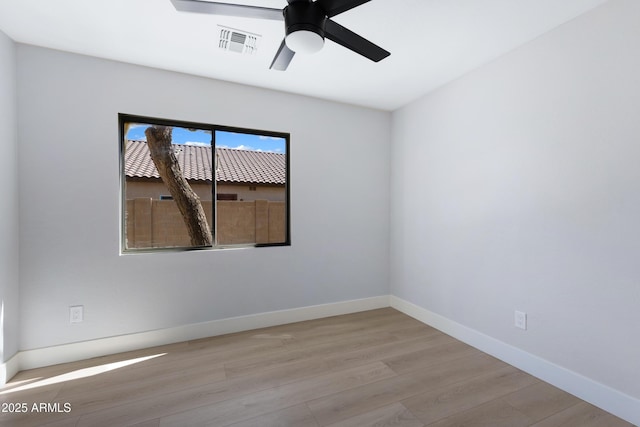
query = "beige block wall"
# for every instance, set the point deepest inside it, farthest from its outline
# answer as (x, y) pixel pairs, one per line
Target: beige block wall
(154, 189)
(158, 223)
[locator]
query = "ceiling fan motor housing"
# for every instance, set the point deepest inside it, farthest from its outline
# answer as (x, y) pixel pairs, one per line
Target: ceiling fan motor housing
(304, 16)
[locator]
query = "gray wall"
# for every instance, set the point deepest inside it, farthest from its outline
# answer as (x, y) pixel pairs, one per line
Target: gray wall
(518, 187)
(70, 194)
(9, 287)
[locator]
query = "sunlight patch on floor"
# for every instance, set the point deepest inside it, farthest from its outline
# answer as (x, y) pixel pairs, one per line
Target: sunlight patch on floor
(82, 373)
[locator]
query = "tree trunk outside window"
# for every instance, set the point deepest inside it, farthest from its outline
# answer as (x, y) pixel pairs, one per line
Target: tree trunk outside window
(161, 149)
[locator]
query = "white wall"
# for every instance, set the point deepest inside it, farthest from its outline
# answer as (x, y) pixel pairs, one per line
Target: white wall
(517, 187)
(9, 288)
(69, 195)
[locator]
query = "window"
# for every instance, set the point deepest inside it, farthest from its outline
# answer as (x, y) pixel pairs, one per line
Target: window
(193, 185)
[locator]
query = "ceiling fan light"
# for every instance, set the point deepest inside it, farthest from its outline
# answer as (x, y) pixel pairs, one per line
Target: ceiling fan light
(304, 41)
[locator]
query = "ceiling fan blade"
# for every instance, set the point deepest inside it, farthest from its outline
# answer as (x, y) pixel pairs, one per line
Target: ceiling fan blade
(228, 9)
(283, 57)
(347, 38)
(335, 7)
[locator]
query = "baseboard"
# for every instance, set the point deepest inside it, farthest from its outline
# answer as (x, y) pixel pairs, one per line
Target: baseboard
(36, 358)
(600, 395)
(9, 368)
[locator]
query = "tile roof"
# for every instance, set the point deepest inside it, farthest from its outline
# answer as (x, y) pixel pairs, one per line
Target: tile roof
(240, 166)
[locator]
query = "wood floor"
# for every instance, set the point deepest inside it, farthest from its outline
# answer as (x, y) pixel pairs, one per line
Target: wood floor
(376, 368)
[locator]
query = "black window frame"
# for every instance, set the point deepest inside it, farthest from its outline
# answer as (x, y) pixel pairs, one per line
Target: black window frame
(213, 128)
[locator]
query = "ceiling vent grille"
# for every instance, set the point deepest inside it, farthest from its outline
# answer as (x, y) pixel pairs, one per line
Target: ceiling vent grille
(238, 41)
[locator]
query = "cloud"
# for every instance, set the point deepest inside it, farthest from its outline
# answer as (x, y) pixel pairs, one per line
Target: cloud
(239, 147)
(249, 148)
(197, 143)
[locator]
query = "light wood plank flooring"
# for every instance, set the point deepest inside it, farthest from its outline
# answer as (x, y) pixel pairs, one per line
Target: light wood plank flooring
(376, 368)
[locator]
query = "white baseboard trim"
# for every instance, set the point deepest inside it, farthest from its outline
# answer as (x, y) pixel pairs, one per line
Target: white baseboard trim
(29, 359)
(9, 368)
(600, 395)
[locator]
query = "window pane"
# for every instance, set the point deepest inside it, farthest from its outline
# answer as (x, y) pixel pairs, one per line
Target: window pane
(252, 168)
(166, 168)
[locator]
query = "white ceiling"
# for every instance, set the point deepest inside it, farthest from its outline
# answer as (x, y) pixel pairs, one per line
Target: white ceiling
(431, 41)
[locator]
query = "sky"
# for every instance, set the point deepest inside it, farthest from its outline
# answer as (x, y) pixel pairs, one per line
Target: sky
(239, 141)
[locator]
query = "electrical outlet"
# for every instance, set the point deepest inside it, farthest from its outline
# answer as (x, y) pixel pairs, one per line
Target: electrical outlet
(76, 314)
(521, 320)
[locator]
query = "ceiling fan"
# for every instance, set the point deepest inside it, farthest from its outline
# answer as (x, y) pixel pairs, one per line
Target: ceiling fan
(307, 24)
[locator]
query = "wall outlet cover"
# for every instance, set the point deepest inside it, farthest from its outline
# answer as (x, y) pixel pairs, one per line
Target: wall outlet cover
(521, 320)
(76, 314)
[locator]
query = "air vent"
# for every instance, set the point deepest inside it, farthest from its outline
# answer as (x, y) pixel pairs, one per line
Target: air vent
(238, 41)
